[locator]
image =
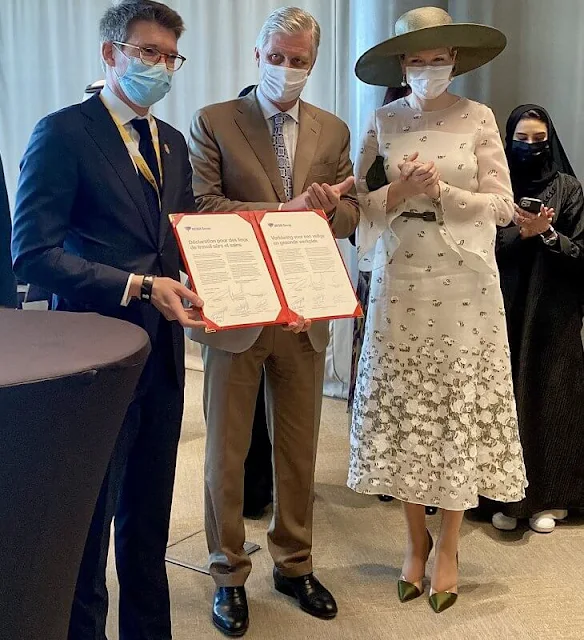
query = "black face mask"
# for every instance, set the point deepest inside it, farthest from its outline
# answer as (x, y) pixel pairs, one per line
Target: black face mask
(531, 156)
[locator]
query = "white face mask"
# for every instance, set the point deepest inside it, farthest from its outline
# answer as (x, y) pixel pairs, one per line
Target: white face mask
(428, 83)
(281, 84)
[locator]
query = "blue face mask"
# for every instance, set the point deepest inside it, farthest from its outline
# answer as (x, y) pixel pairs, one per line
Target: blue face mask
(145, 85)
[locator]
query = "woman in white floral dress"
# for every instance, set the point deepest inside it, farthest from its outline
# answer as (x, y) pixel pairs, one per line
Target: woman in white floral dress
(434, 419)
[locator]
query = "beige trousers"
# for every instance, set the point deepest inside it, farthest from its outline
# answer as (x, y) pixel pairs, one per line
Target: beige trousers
(294, 381)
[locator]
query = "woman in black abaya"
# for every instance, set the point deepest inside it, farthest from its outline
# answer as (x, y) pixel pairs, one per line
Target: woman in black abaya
(541, 260)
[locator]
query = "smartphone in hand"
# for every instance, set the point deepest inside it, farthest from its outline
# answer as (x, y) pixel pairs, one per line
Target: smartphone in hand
(531, 205)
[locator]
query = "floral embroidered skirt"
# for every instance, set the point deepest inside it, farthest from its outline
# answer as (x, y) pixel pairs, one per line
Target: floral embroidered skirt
(434, 419)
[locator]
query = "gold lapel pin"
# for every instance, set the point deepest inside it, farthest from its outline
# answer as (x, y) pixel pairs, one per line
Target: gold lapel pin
(167, 149)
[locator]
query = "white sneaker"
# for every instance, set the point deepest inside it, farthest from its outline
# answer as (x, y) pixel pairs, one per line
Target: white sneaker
(560, 514)
(504, 523)
(545, 521)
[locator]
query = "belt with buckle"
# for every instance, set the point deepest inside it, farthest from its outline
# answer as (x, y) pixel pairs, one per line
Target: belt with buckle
(426, 216)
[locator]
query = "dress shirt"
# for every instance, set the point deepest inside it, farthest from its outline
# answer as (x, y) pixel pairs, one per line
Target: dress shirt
(125, 115)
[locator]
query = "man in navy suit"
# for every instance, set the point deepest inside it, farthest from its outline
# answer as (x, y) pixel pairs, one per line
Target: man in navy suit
(7, 279)
(91, 225)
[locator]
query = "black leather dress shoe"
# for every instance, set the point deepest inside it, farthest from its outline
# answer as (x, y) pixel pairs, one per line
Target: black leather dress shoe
(311, 595)
(230, 613)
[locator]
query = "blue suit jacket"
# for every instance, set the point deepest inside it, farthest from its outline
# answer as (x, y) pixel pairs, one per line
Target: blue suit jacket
(81, 223)
(7, 279)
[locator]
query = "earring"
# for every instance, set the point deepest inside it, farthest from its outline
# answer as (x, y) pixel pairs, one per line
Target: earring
(403, 82)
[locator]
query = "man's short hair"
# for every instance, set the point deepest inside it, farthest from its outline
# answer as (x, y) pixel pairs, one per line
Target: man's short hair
(290, 20)
(117, 22)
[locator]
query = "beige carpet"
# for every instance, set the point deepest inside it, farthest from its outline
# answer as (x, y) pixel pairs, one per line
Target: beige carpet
(512, 587)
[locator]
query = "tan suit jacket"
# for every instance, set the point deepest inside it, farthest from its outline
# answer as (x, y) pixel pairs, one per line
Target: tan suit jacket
(235, 169)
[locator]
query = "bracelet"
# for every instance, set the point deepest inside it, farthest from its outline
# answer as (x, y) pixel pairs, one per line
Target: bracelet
(146, 288)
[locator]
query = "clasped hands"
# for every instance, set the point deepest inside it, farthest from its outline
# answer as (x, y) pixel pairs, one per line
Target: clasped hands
(533, 224)
(417, 178)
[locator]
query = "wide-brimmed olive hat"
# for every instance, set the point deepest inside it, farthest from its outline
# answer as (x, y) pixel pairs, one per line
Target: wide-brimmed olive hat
(425, 29)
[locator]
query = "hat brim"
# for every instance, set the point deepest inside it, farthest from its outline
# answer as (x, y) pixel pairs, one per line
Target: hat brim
(476, 44)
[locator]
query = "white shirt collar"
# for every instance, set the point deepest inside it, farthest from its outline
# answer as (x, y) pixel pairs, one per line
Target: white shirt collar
(269, 109)
(118, 107)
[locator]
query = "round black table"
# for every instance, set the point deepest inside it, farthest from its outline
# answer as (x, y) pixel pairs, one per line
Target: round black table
(66, 380)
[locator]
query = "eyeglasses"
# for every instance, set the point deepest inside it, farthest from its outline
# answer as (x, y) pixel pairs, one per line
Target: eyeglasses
(151, 56)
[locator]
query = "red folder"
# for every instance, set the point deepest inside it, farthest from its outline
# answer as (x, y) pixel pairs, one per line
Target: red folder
(286, 315)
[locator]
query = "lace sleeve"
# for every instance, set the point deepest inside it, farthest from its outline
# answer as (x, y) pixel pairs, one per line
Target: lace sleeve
(470, 217)
(373, 223)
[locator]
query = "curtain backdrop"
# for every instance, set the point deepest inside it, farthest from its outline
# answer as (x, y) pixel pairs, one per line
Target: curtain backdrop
(50, 52)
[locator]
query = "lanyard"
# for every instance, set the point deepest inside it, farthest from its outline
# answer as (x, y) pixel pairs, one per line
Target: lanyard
(139, 162)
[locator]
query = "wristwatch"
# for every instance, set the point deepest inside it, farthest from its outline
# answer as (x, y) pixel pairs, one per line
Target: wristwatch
(549, 237)
(146, 288)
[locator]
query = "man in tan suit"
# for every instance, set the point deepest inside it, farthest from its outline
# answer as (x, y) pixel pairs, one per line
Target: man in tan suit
(269, 150)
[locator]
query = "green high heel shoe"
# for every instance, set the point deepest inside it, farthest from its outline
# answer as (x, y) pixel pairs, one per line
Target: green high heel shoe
(442, 600)
(408, 591)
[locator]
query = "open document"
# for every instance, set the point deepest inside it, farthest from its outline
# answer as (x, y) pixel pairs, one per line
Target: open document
(259, 268)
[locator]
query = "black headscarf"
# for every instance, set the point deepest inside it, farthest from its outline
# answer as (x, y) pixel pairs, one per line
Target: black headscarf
(534, 184)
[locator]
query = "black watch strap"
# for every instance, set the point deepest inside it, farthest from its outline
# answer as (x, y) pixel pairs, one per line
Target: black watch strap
(146, 289)
(548, 233)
